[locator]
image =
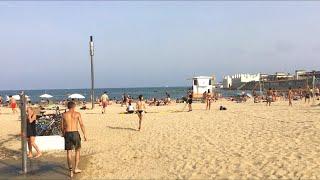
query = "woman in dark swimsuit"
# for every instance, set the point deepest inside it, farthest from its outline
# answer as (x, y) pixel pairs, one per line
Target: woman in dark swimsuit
(141, 107)
(208, 99)
(31, 133)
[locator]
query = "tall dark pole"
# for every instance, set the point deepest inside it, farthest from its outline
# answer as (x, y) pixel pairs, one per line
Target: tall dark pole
(23, 132)
(92, 74)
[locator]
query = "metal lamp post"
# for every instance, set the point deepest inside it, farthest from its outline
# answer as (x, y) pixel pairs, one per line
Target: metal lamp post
(92, 74)
(23, 132)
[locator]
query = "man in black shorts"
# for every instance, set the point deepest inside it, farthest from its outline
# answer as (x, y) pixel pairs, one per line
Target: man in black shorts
(189, 101)
(72, 138)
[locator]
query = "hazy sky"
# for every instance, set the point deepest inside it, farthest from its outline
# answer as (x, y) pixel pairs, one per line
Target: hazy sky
(138, 44)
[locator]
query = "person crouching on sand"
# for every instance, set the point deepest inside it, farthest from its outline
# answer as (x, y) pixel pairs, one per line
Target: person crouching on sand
(141, 107)
(69, 127)
(130, 108)
(31, 133)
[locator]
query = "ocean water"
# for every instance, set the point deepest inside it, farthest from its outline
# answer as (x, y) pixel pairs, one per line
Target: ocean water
(114, 93)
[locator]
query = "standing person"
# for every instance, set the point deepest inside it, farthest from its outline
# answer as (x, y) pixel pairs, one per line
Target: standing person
(31, 133)
(189, 100)
(269, 96)
(69, 127)
(208, 100)
(317, 92)
(290, 96)
(307, 95)
(274, 95)
(124, 99)
(0, 103)
(104, 101)
(13, 104)
(300, 93)
(204, 97)
(141, 107)
(168, 99)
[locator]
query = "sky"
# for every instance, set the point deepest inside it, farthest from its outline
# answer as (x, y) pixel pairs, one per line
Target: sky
(45, 45)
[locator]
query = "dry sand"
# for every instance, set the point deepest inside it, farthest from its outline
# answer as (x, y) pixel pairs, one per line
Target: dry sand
(246, 141)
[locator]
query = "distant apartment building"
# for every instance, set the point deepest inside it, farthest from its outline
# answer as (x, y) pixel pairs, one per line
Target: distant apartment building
(299, 73)
(237, 80)
(280, 76)
(227, 82)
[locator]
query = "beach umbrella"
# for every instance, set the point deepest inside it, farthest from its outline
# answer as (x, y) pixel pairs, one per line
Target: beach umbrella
(48, 96)
(76, 96)
(16, 97)
(249, 95)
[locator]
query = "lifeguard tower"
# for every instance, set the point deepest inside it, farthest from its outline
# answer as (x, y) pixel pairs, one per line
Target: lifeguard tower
(200, 84)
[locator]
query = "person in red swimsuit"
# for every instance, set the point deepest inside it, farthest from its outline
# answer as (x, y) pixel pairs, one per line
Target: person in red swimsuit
(13, 105)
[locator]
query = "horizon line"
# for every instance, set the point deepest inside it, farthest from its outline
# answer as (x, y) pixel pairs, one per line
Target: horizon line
(90, 88)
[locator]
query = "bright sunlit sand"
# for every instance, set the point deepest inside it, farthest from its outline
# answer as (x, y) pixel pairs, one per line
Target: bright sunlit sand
(246, 141)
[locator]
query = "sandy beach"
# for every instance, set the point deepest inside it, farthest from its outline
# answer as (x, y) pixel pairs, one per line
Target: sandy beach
(246, 141)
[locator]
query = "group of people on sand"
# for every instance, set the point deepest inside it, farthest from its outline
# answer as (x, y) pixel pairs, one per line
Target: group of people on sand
(12, 103)
(69, 127)
(140, 108)
(291, 94)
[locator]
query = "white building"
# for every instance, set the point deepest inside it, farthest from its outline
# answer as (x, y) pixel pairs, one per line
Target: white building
(200, 84)
(237, 80)
(227, 82)
(298, 73)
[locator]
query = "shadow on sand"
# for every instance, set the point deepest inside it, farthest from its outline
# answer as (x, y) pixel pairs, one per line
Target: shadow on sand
(121, 128)
(45, 167)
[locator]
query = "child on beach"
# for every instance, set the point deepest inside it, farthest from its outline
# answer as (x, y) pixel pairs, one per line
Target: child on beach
(141, 107)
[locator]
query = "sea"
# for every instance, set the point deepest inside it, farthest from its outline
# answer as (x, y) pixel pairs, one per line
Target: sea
(113, 93)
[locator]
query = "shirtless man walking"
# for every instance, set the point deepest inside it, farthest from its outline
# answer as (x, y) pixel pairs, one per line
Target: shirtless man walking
(72, 138)
(269, 96)
(104, 102)
(141, 107)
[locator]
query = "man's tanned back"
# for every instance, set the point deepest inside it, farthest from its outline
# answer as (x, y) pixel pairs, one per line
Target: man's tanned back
(71, 120)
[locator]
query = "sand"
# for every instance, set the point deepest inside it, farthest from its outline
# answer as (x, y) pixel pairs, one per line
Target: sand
(246, 141)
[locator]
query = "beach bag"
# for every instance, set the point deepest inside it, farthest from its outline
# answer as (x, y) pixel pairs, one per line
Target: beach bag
(222, 108)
